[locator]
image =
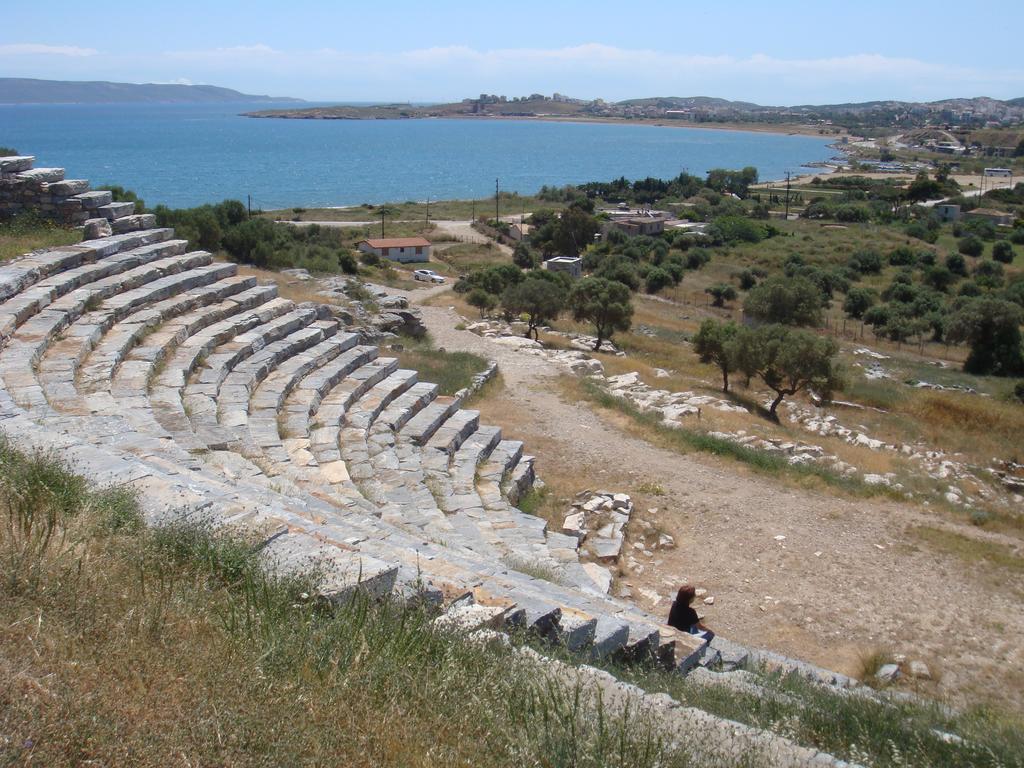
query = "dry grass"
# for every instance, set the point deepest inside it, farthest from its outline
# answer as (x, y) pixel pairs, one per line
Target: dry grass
(1001, 563)
(126, 646)
(978, 426)
(20, 237)
(466, 257)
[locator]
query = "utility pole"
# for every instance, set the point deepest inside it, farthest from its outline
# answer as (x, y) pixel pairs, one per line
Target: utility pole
(473, 217)
(787, 195)
(382, 223)
(426, 221)
(496, 197)
(249, 205)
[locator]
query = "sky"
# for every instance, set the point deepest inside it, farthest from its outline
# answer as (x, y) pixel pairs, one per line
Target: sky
(784, 52)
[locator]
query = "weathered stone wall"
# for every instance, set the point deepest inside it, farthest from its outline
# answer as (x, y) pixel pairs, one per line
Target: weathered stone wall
(48, 193)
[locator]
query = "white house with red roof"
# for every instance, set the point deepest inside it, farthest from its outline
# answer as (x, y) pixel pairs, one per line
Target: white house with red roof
(402, 249)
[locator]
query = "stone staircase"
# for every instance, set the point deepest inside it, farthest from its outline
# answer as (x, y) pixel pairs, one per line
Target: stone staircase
(147, 364)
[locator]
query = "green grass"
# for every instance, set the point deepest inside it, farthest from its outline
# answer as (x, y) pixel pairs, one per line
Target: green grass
(459, 210)
(26, 233)
(130, 645)
(878, 732)
(451, 371)
(686, 440)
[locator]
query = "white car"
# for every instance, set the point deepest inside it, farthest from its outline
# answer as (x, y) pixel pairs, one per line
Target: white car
(427, 275)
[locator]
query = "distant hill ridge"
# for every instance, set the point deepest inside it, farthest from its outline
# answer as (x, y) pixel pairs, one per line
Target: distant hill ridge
(15, 90)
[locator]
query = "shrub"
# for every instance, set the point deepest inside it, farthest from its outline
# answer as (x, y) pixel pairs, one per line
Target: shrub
(858, 301)
(904, 256)
(482, 300)
(721, 293)
(657, 278)
(866, 262)
(971, 245)
(790, 301)
(1003, 252)
(956, 264)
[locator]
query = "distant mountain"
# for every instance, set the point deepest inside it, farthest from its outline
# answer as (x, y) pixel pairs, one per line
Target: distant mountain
(14, 90)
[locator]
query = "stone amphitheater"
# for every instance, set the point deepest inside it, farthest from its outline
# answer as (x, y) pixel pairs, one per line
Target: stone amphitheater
(146, 364)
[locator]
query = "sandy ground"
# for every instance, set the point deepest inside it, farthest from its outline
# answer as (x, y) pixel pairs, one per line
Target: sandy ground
(845, 580)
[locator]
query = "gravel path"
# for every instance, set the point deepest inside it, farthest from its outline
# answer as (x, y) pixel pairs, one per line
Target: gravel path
(843, 581)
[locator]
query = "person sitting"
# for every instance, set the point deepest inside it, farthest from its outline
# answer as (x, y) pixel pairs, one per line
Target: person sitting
(684, 618)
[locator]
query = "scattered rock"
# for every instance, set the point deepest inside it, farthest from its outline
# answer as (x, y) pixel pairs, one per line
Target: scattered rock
(95, 228)
(888, 673)
(920, 670)
(709, 600)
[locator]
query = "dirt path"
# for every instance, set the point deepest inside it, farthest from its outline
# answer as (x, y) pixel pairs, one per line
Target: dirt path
(846, 578)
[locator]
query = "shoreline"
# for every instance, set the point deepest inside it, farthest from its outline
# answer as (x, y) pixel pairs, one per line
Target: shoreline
(781, 129)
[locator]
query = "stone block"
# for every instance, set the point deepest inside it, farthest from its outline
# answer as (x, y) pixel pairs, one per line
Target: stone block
(16, 163)
(95, 228)
(68, 187)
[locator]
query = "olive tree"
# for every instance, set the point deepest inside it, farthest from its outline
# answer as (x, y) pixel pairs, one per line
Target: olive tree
(539, 299)
(604, 303)
(793, 360)
(714, 344)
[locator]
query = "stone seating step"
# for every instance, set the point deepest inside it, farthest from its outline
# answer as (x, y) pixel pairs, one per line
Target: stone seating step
(401, 410)
(32, 299)
(234, 398)
(18, 274)
(493, 472)
(455, 429)
(265, 407)
(305, 400)
(298, 554)
(28, 343)
(68, 187)
(112, 211)
(63, 360)
(93, 200)
(100, 366)
(16, 163)
(520, 480)
(473, 452)
(39, 175)
(422, 426)
(367, 408)
(133, 223)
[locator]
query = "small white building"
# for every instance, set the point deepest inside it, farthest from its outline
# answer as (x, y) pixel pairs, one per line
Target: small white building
(571, 265)
(947, 212)
(401, 249)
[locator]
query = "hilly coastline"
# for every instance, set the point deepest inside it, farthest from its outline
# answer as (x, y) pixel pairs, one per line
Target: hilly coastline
(16, 90)
(855, 117)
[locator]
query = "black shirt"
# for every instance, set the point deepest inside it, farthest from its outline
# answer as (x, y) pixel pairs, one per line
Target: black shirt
(682, 616)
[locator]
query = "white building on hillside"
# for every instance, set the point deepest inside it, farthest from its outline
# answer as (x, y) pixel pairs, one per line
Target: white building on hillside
(401, 249)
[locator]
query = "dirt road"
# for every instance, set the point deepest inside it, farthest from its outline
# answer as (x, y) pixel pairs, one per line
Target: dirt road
(808, 574)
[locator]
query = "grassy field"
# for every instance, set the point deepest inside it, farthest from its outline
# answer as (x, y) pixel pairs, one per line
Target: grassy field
(122, 645)
(448, 210)
(451, 371)
(22, 235)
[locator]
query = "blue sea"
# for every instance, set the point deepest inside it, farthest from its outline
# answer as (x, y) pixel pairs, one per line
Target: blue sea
(185, 155)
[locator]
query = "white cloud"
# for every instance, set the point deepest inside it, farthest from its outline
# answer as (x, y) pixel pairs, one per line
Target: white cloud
(38, 49)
